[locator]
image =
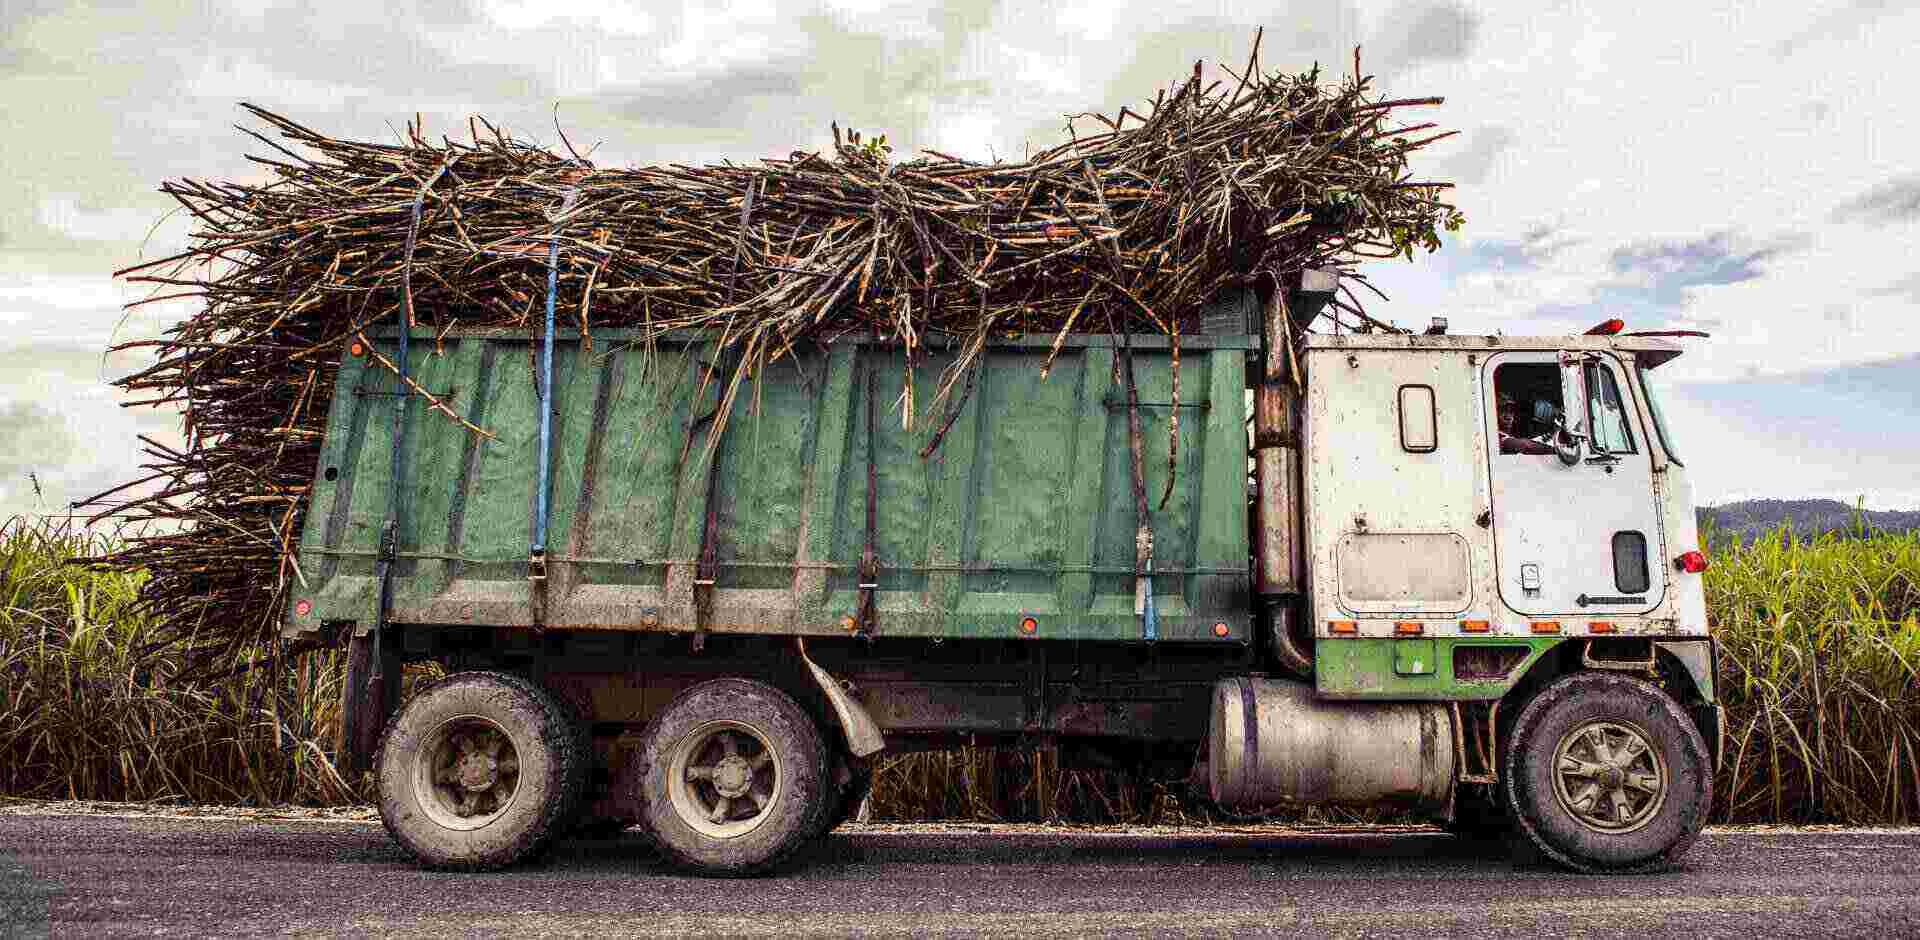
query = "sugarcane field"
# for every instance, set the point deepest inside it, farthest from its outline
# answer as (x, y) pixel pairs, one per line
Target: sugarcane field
(911, 467)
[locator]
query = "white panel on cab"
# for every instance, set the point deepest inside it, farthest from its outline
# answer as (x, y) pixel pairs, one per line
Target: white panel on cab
(1405, 572)
(1394, 484)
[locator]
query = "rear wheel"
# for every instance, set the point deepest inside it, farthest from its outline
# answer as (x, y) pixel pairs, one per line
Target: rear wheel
(733, 777)
(479, 770)
(1607, 774)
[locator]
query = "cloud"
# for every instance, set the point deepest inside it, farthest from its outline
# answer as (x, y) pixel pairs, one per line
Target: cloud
(34, 439)
(1847, 22)
(1474, 163)
(1656, 275)
(1838, 432)
(718, 101)
(1424, 32)
(1896, 200)
(1908, 287)
(1533, 249)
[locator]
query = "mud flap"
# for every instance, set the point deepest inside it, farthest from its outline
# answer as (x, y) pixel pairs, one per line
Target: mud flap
(863, 735)
(366, 700)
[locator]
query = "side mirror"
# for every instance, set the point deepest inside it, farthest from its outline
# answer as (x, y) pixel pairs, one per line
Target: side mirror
(1569, 451)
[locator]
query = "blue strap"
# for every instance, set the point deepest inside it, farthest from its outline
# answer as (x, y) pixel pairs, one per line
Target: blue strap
(546, 400)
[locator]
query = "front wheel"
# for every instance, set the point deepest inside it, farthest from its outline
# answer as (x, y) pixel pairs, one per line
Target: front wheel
(1605, 773)
(733, 777)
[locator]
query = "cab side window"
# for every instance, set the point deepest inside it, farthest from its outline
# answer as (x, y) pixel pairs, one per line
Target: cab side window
(1606, 413)
(1527, 403)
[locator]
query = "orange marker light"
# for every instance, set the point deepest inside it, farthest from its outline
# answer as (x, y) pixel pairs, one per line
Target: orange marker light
(1475, 626)
(1028, 625)
(1406, 627)
(1546, 626)
(1220, 629)
(1599, 626)
(848, 623)
(1342, 626)
(357, 349)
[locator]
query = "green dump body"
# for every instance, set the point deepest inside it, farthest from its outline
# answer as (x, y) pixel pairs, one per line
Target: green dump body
(1025, 510)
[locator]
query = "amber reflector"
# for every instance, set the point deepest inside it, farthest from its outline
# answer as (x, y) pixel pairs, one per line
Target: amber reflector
(1342, 626)
(1546, 626)
(1406, 626)
(1475, 626)
(1599, 626)
(1220, 629)
(1029, 625)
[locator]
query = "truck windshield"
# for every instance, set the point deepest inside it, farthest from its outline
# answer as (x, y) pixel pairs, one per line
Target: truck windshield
(1659, 420)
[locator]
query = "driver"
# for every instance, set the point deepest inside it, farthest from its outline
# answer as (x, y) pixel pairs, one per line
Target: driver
(1510, 441)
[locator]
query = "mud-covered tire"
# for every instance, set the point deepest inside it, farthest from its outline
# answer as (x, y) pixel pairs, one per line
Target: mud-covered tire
(433, 764)
(583, 824)
(738, 737)
(1606, 774)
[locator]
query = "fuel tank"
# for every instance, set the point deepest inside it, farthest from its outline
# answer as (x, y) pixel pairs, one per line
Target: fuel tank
(1273, 743)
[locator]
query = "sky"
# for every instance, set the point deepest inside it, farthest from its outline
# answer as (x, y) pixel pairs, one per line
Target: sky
(1741, 168)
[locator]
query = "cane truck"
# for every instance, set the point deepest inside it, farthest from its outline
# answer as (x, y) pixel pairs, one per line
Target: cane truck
(1350, 587)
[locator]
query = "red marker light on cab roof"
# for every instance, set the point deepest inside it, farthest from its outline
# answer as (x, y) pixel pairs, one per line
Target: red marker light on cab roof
(1607, 328)
(1691, 562)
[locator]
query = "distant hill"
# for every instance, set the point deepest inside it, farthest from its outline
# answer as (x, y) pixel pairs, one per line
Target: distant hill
(1751, 517)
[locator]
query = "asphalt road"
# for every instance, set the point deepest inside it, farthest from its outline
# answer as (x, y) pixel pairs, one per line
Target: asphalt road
(108, 876)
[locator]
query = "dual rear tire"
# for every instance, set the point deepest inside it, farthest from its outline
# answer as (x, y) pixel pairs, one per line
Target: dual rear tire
(483, 769)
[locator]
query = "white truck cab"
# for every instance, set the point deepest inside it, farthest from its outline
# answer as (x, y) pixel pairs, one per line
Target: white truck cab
(1424, 515)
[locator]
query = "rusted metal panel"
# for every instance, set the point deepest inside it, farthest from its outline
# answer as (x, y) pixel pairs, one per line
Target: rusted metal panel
(1023, 512)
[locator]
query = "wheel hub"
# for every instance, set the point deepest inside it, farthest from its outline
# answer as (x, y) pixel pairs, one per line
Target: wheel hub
(1609, 777)
(723, 778)
(468, 773)
(732, 776)
(478, 772)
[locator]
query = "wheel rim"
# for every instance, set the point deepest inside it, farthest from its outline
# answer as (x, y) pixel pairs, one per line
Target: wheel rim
(724, 779)
(1609, 776)
(469, 774)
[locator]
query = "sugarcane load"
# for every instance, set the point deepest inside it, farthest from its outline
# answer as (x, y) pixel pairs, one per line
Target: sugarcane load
(706, 485)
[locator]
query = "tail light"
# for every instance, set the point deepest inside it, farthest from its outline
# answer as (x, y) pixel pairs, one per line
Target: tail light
(302, 607)
(1691, 562)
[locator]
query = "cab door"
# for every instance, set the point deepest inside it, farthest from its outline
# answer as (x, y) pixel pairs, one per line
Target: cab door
(1579, 539)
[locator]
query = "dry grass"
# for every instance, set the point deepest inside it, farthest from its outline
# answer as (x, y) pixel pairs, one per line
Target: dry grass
(1821, 678)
